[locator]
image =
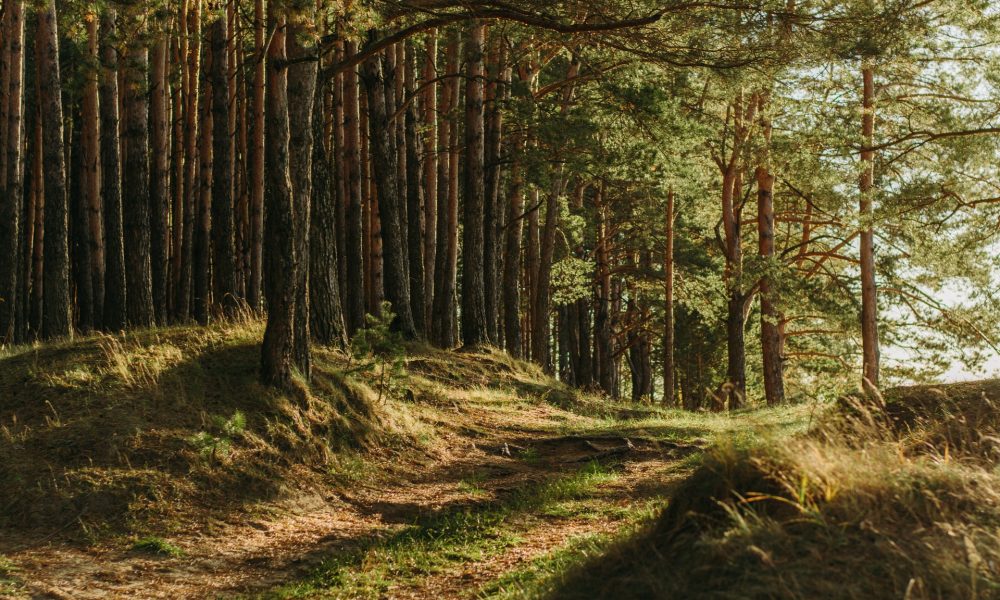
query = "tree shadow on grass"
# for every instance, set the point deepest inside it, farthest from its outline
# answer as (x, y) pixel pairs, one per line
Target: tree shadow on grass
(108, 435)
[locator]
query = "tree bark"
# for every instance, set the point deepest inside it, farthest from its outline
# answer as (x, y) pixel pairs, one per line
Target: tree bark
(335, 154)
(37, 194)
(301, 95)
(191, 147)
(223, 215)
(735, 317)
(326, 315)
(531, 262)
(178, 90)
(443, 323)
(512, 263)
(82, 293)
(202, 246)
(56, 319)
(12, 175)
(869, 290)
(254, 295)
(384, 166)
(111, 192)
(492, 212)
(770, 317)
(414, 195)
(354, 292)
(474, 328)
(159, 192)
(135, 186)
(90, 159)
(732, 186)
(603, 350)
(431, 151)
(669, 385)
(282, 279)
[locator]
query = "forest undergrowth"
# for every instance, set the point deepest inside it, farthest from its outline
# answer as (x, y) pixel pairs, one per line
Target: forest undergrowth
(154, 464)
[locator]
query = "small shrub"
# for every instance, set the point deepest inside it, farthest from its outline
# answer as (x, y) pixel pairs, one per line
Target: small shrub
(379, 352)
(218, 444)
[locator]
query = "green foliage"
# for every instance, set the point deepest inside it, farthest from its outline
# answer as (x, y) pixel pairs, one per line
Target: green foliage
(217, 443)
(571, 280)
(379, 352)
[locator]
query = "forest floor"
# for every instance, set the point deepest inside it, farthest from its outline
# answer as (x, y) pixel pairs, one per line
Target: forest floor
(502, 483)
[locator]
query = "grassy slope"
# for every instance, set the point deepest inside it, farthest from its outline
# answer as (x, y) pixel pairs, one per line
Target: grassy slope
(116, 439)
(134, 438)
(111, 434)
(864, 506)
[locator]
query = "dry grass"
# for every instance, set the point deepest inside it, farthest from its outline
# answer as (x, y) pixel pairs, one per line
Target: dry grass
(133, 434)
(129, 433)
(886, 498)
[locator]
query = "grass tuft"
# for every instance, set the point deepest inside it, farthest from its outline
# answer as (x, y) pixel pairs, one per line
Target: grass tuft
(158, 546)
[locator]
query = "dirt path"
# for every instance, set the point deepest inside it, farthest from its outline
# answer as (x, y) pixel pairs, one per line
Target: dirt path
(249, 554)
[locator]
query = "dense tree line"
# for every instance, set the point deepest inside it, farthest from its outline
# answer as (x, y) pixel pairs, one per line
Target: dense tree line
(600, 188)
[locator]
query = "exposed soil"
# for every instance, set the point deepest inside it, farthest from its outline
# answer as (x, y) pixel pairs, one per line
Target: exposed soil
(284, 541)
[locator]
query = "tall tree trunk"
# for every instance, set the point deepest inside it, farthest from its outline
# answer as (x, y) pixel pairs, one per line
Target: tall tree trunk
(279, 235)
(743, 113)
(354, 292)
(492, 212)
(668, 305)
(443, 323)
(374, 289)
(135, 185)
(869, 291)
(111, 192)
(531, 262)
(474, 328)
(90, 159)
(301, 94)
(584, 369)
(254, 295)
(202, 247)
(178, 90)
(11, 200)
(223, 221)
(326, 315)
(238, 132)
(603, 350)
(191, 147)
(414, 194)
(335, 153)
(512, 263)
(56, 320)
(37, 194)
(770, 317)
(541, 301)
(159, 189)
(396, 67)
(79, 229)
(385, 171)
(432, 150)
(735, 387)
